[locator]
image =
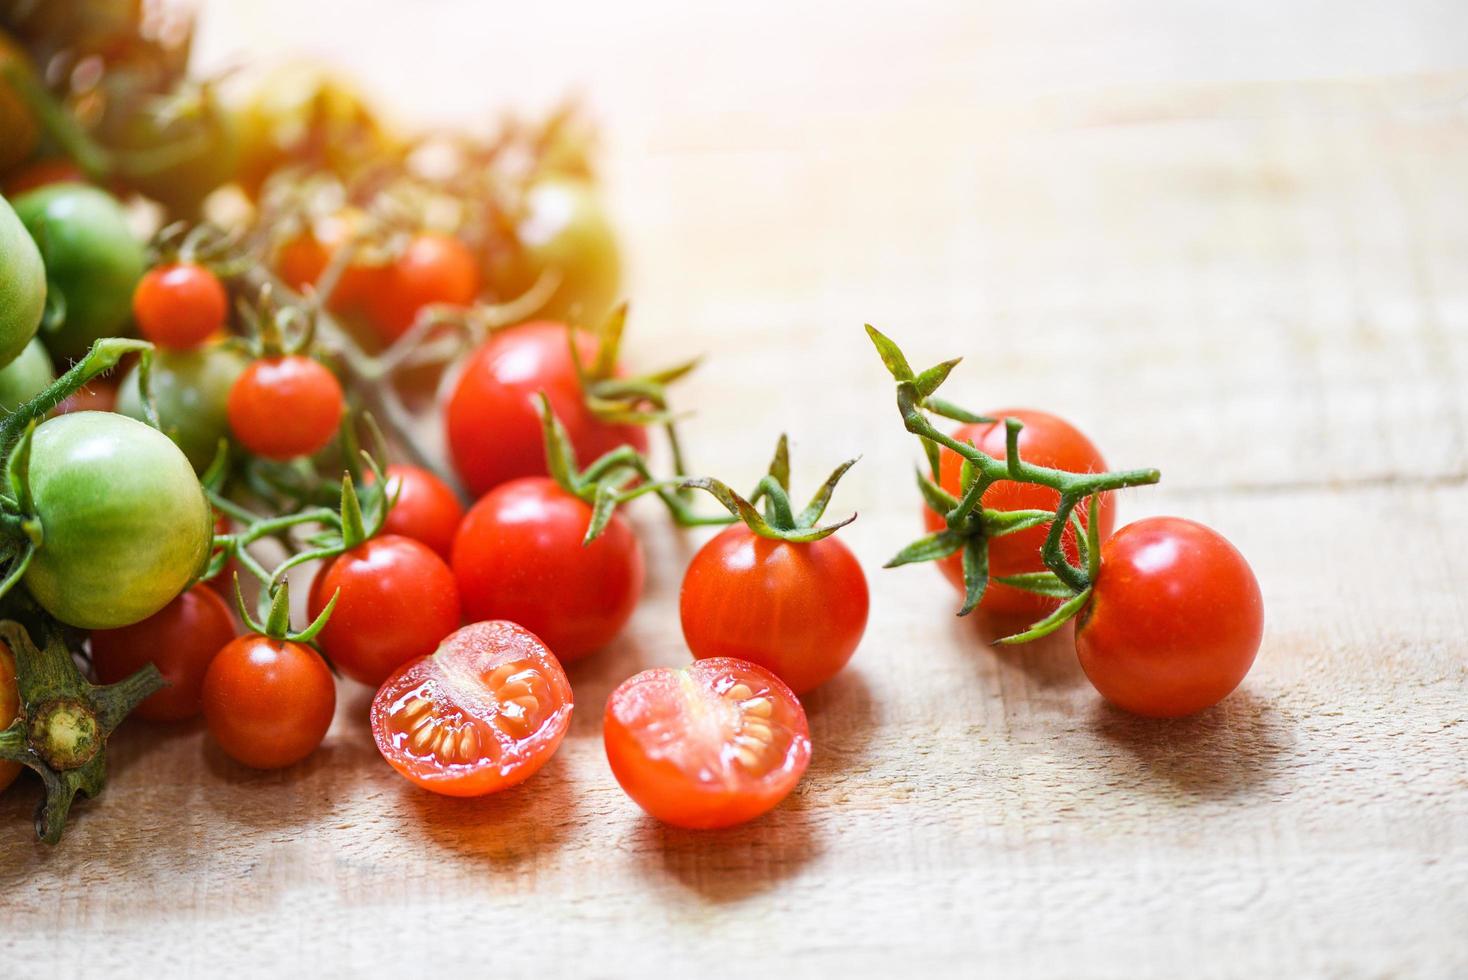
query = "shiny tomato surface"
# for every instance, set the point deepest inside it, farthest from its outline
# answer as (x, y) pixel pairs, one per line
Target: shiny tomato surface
(268, 703)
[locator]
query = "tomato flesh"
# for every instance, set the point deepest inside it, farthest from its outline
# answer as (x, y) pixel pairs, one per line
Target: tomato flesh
(710, 745)
(482, 713)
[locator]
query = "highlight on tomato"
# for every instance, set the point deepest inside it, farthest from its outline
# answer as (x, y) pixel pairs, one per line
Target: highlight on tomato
(268, 702)
(1174, 621)
(285, 406)
(710, 745)
(424, 508)
(482, 713)
(180, 305)
(776, 589)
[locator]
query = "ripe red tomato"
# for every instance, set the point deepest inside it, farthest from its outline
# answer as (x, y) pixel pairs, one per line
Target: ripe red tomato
(427, 509)
(97, 395)
(483, 713)
(181, 640)
(709, 745)
(396, 600)
(493, 428)
(283, 407)
(1174, 620)
(268, 703)
(1046, 440)
(518, 556)
(431, 269)
(302, 260)
(179, 305)
(797, 609)
(9, 709)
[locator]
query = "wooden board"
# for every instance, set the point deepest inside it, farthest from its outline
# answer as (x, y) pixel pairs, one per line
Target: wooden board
(1229, 246)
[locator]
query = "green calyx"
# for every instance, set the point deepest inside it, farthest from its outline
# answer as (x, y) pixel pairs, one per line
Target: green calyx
(222, 252)
(275, 329)
(970, 526)
(277, 624)
(779, 520)
(65, 721)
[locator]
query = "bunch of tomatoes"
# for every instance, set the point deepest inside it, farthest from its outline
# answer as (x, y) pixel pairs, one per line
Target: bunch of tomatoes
(263, 385)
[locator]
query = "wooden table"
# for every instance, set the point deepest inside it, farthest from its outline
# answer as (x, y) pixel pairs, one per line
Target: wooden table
(1231, 245)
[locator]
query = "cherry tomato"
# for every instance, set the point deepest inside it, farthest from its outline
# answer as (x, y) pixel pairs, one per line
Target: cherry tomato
(180, 305)
(482, 713)
(181, 640)
(283, 407)
(22, 284)
(97, 395)
(431, 269)
(427, 509)
(41, 173)
(1174, 620)
(564, 229)
(396, 600)
(493, 427)
(709, 745)
(190, 390)
(518, 556)
(268, 703)
(1045, 440)
(302, 260)
(9, 710)
(25, 377)
(797, 609)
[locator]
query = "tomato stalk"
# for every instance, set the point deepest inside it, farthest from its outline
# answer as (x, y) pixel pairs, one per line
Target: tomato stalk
(779, 520)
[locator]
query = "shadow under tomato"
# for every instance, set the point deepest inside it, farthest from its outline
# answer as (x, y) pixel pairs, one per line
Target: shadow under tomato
(505, 828)
(1047, 664)
(1234, 747)
(732, 864)
(843, 713)
(277, 799)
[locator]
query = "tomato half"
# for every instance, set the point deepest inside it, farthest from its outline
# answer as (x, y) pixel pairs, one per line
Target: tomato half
(427, 509)
(125, 524)
(518, 556)
(797, 609)
(482, 713)
(180, 305)
(22, 285)
(268, 703)
(1045, 440)
(396, 600)
(493, 426)
(284, 407)
(25, 377)
(431, 269)
(709, 745)
(190, 391)
(181, 639)
(1174, 621)
(9, 710)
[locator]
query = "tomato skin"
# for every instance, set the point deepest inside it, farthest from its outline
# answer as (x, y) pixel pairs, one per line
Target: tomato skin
(302, 260)
(9, 710)
(97, 395)
(1174, 621)
(284, 407)
(492, 424)
(91, 257)
(126, 525)
(1045, 440)
(180, 305)
(191, 393)
(25, 377)
(22, 285)
(674, 739)
(268, 703)
(41, 173)
(564, 228)
(482, 713)
(518, 556)
(181, 639)
(432, 268)
(396, 600)
(797, 609)
(427, 509)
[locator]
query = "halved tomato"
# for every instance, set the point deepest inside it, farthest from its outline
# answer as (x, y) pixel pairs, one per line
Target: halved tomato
(713, 744)
(481, 713)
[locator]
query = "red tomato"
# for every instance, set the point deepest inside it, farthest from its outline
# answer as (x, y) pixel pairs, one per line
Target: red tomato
(493, 427)
(709, 745)
(181, 639)
(1174, 622)
(396, 600)
(9, 709)
(223, 583)
(180, 305)
(518, 556)
(302, 260)
(431, 269)
(797, 609)
(268, 703)
(283, 407)
(427, 509)
(1046, 440)
(97, 395)
(42, 173)
(483, 713)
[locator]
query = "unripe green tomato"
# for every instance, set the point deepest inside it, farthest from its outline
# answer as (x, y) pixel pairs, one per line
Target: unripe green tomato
(91, 258)
(194, 120)
(191, 393)
(125, 524)
(564, 228)
(25, 377)
(22, 285)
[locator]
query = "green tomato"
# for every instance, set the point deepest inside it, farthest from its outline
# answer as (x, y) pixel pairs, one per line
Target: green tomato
(125, 525)
(564, 228)
(197, 141)
(191, 393)
(25, 377)
(92, 260)
(22, 285)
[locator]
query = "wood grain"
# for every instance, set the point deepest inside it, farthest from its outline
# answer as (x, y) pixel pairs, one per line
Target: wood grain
(1118, 211)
